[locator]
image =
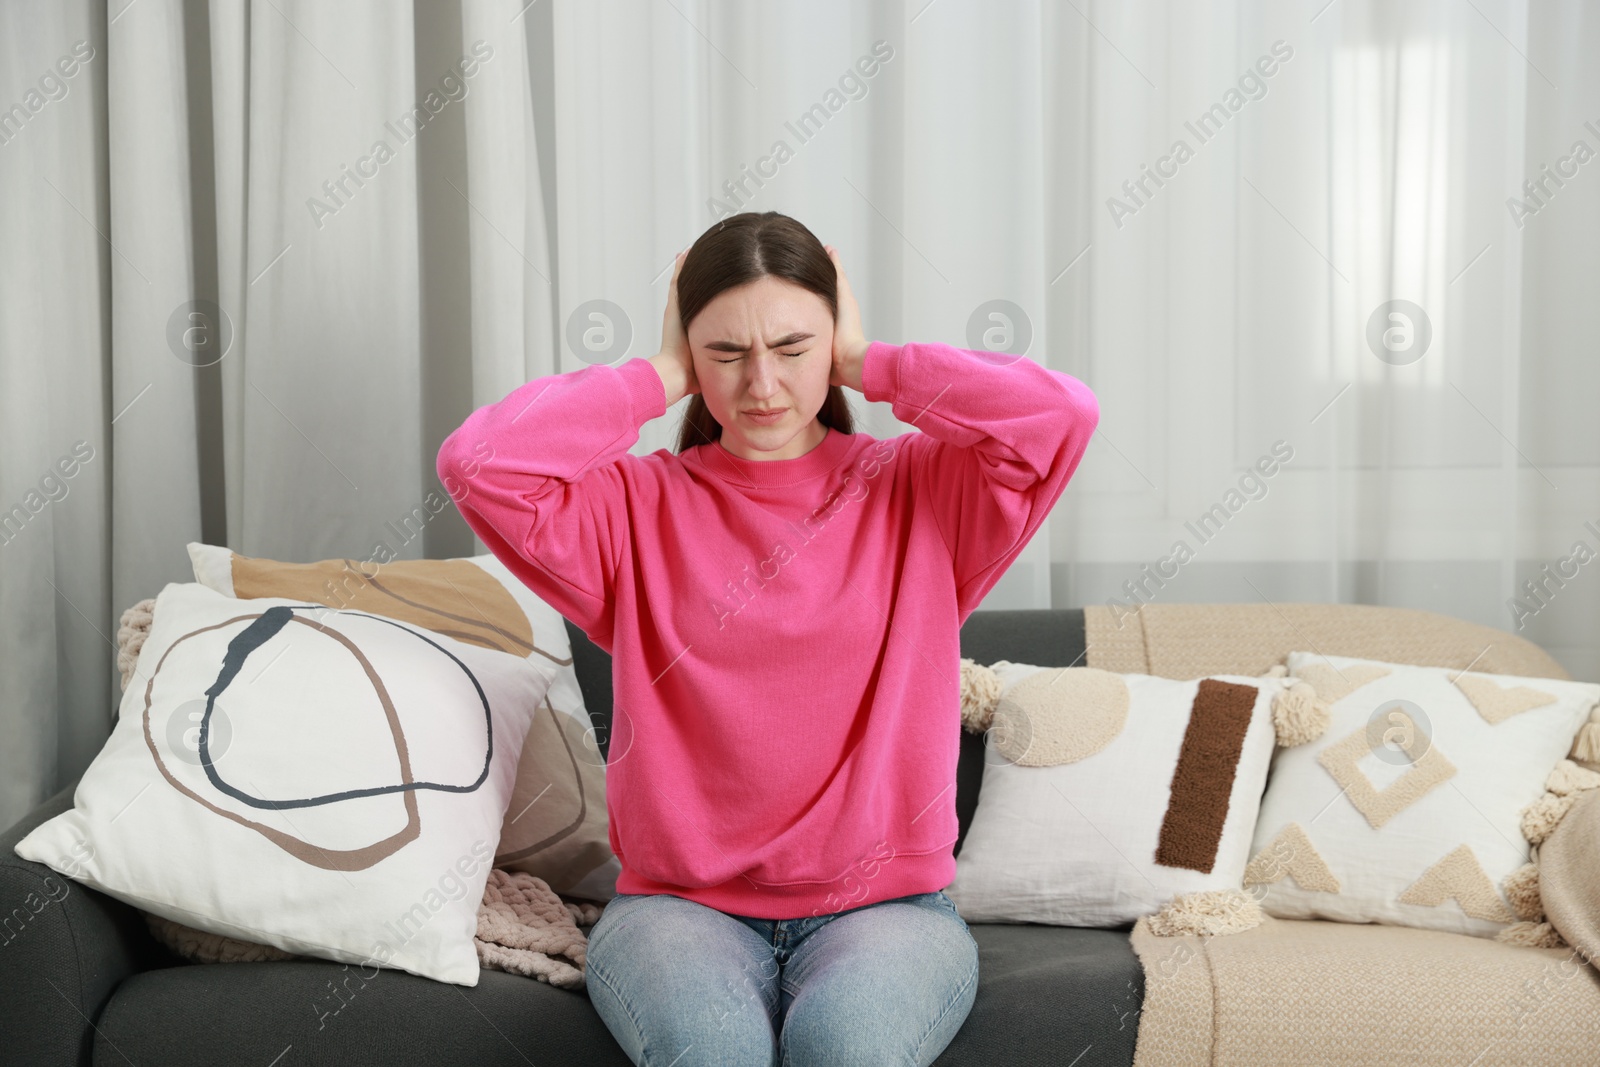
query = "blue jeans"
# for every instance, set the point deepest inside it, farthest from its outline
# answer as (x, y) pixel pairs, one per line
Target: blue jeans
(680, 984)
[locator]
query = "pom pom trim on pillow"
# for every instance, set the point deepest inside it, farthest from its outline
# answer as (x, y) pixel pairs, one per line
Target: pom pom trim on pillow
(1209, 912)
(980, 695)
(1539, 820)
(1586, 746)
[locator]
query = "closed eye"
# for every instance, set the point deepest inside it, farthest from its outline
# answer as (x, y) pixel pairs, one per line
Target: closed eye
(791, 354)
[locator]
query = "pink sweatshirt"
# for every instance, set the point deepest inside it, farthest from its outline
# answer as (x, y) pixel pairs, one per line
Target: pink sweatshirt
(784, 633)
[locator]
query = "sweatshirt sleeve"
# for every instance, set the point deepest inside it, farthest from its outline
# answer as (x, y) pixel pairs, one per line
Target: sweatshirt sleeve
(540, 478)
(1004, 434)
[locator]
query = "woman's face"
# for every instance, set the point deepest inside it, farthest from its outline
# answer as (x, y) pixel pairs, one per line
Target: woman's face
(765, 345)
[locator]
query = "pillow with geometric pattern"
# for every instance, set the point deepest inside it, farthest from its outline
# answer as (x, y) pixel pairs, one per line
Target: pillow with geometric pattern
(1412, 808)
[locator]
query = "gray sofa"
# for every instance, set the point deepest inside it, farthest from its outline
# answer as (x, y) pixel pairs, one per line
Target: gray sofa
(82, 981)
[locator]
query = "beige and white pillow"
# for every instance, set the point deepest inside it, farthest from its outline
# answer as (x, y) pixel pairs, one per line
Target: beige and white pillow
(344, 793)
(556, 826)
(1105, 795)
(1409, 809)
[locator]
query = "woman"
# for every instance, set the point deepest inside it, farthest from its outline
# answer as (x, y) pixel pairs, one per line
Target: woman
(782, 599)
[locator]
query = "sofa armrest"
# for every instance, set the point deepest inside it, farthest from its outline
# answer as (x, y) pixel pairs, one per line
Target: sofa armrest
(63, 949)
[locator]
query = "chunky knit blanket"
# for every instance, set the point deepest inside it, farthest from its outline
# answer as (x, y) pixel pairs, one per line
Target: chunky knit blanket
(525, 928)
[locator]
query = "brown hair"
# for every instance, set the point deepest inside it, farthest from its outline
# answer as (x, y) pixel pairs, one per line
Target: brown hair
(741, 249)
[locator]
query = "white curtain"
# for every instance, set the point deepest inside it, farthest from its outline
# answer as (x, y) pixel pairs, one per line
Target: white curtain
(257, 258)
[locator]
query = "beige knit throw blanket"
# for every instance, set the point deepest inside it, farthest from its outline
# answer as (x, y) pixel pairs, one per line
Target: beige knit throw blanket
(1294, 991)
(523, 927)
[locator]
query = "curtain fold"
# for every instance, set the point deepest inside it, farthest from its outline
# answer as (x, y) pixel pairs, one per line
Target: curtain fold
(258, 258)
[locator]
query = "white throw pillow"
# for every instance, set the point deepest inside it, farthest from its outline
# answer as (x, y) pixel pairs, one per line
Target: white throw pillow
(1104, 795)
(342, 796)
(1408, 809)
(564, 838)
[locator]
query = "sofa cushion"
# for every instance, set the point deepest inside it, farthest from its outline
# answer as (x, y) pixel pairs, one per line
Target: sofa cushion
(1051, 995)
(64, 948)
(1045, 995)
(323, 1012)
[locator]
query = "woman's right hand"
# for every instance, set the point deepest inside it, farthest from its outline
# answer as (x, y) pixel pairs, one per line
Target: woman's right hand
(674, 358)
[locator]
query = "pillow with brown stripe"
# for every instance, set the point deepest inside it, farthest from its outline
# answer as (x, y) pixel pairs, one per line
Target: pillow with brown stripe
(1421, 798)
(556, 825)
(1105, 795)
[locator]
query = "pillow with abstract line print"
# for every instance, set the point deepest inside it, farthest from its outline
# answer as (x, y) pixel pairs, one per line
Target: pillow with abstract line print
(354, 764)
(1420, 800)
(1104, 795)
(556, 826)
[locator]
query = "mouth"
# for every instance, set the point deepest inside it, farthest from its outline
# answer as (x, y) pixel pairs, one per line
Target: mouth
(764, 416)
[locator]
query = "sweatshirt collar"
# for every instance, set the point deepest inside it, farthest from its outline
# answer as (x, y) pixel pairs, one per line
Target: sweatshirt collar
(827, 455)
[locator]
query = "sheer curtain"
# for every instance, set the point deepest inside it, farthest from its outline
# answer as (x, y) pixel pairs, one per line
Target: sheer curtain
(258, 258)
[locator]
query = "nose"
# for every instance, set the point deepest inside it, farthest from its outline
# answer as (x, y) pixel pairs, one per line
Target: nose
(763, 376)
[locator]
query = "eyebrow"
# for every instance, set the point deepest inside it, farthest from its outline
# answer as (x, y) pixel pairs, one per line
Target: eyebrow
(734, 346)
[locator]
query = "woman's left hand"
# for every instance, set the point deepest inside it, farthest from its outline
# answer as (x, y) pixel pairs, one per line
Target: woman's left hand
(849, 343)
